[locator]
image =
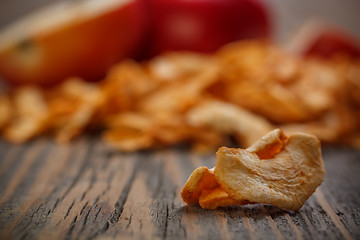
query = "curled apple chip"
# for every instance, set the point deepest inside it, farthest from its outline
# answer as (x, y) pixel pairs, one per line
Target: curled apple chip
(129, 131)
(229, 118)
(128, 139)
(200, 179)
(175, 66)
(286, 179)
(202, 188)
(30, 115)
(275, 170)
(83, 102)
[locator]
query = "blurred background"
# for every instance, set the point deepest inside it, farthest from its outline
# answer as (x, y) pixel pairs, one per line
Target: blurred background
(145, 28)
(82, 41)
(290, 14)
(287, 14)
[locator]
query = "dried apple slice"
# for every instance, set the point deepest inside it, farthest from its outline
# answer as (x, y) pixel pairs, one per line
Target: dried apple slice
(286, 179)
(30, 115)
(217, 197)
(229, 118)
(200, 179)
(269, 145)
(202, 188)
(128, 139)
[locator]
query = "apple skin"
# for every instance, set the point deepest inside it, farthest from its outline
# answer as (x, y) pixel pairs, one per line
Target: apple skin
(331, 42)
(84, 49)
(204, 25)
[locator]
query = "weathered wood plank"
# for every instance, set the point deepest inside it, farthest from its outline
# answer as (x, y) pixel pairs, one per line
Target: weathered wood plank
(86, 191)
(11, 160)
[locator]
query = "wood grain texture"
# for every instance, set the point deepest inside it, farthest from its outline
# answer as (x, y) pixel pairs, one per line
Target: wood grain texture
(86, 191)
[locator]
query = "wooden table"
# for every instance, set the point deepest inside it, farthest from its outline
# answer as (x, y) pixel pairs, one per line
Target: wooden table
(86, 191)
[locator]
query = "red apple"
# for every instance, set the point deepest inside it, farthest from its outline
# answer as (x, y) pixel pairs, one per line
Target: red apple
(322, 40)
(73, 38)
(204, 25)
(333, 42)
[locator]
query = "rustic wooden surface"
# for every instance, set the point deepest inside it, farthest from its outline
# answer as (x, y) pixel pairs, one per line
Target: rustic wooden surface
(86, 191)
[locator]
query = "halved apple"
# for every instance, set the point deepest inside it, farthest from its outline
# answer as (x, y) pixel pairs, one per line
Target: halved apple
(72, 38)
